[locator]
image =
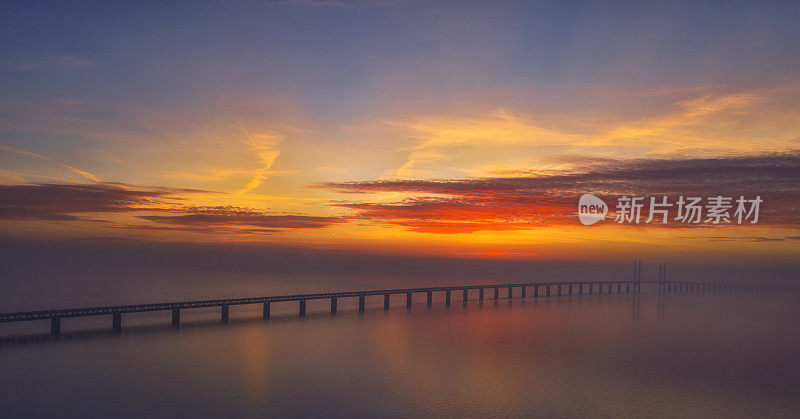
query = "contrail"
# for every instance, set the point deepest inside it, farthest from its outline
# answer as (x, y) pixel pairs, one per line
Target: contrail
(83, 173)
(252, 141)
(261, 173)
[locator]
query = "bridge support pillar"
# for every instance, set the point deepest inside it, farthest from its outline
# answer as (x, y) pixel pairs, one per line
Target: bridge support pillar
(302, 308)
(591, 288)
(570, 288)
(429, 300)
(55, 326)
(523, 291)
(558, 289)
(619, 288)
(547, 292)
(447, 298)
(627, 288)
(116, 322)
(496, 293)
(334, 305)
(580, 289)
(265, 314)
(361, 302)
(408, 300)
(536, 291)
(385, 302)
(480, 294)
(176, 318)
(600, 288)
(225, 310)
(510, 293)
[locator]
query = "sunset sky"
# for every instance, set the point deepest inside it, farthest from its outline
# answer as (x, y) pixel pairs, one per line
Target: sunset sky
(456, 129)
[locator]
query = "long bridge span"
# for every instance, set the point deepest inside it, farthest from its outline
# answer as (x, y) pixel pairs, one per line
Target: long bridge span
(539, 289)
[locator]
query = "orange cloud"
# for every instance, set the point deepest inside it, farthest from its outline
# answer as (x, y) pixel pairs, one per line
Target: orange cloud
(538, 200)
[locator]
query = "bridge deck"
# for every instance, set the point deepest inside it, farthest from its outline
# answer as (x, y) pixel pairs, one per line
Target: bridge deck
(137, 308)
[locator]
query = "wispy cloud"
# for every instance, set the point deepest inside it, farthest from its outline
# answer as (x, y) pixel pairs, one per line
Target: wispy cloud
(755, 239)
(83, 173)
(164, 206)
(242, 217)
(438, 135)
(266, 154)
(522, 202)
(707, 123)
(69, 62)
(61, 62)
(339, 4)
(60, 202)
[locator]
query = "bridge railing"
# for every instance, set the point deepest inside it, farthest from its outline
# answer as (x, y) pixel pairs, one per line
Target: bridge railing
(602, 287)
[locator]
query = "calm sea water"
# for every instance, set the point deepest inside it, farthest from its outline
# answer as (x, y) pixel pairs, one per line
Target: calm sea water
(685, 355)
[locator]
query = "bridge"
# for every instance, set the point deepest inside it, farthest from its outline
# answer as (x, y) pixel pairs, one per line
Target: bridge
(540, 289)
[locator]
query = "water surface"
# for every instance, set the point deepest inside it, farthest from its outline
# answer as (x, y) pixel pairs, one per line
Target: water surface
(684, 355)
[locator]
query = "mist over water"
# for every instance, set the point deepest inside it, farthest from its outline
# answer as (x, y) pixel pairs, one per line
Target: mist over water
(40, 275)
(679, 355)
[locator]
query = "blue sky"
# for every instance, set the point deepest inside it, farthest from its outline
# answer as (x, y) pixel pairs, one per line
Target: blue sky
(257, 103)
